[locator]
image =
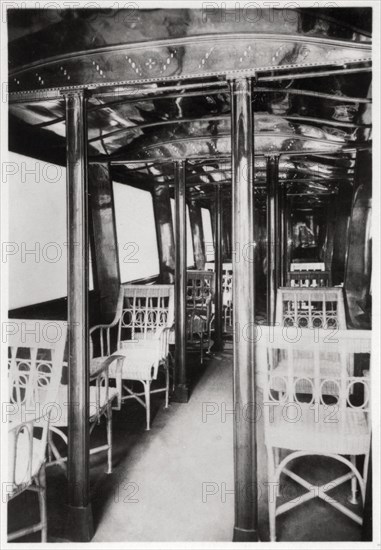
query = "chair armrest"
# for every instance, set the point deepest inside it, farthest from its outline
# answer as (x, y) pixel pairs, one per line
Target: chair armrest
(14, 431)
(164, 340)
(103, 366)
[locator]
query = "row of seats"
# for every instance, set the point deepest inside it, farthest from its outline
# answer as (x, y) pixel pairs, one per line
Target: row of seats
(316, 404)
(317, 386)
(144, 326)
(38, 390)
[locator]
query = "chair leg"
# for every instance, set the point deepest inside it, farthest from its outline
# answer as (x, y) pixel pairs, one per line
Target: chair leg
(147, 384)
(276, 463)
(353, 498)
(109, 438)
(166, 386)
(53, 450)
(42, 503)
(272, 494)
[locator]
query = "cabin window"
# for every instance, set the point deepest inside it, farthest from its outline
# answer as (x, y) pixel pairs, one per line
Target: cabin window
(36, 247)
(136, 234)
(208, 235)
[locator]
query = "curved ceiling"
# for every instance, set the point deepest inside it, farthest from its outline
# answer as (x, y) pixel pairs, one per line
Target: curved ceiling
(164, 93)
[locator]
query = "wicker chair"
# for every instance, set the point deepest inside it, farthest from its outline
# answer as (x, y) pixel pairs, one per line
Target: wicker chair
(144, 325)
(199, 304)
(227, 291)
(310, 427)
(312, 308)
(103, 397)
(36, 351)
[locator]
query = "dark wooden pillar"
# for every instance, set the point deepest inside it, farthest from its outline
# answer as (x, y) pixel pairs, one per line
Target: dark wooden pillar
(218, 323)
(273, 253)
(340, 239)
(104, 244)
(181, 393)
(80, 524)
(330, 221)
(164, 233)
(245, 459)
(198, 240)
(227, 231)
(213, 224)
(358, 265)
(283, 267)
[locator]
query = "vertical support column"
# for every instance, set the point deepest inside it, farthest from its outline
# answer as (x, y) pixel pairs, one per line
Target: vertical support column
(80, 524)
(272, 169)
(213, 224)
(245, 456)
(340, 239)
(164, 233)
(104, 245)
(330, 221)
(218, 323)
(289, 232)
(197, 228)
(181, 393)
(226, 231)
(283, 235)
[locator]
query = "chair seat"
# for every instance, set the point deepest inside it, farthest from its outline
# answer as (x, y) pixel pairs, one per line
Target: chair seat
(59, 416)
(303, 428)
(141, 362)
(197, 324)
(22, 476)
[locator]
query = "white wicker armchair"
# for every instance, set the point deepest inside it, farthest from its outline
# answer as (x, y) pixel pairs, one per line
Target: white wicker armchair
(144, 326)
(227, 291)
(200, 308)
(315, 309)
(334, 428)
(103, 397)
(36, 349)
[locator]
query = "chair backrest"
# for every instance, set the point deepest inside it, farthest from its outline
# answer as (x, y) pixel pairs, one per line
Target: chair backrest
(307, 266)
(101, 343)
(200, 288)
(36, 351)
(311, 307)
(308, 279)
(146, 310)
(284, 346)
(227, 279)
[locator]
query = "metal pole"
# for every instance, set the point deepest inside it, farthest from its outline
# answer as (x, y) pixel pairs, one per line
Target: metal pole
(181, 392)
(218, 324)
(245, 457)
(80, 521)
(164, 233)
(272, 169)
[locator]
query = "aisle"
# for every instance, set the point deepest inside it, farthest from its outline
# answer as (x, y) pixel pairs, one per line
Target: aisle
(177, 482)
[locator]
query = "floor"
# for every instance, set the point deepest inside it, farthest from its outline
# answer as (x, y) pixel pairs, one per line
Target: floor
(175, 482)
